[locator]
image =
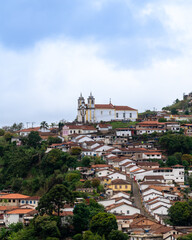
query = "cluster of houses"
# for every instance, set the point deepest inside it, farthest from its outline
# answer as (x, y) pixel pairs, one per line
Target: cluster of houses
(136, 189)
(15, 207)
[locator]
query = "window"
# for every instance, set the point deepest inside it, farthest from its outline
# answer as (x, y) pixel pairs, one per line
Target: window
(26, 202)
(109, 112)
(124, 115)
(101, 112)
(117, 115)
(34, 202)
(22, 201)
(30, 202)
(130, 115)
(127, 211)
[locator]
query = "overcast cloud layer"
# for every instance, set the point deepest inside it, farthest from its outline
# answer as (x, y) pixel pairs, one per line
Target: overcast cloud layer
(136, 52)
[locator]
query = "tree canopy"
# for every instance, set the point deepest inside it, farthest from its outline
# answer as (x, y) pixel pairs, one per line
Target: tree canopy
(103, 223)
(54, 200)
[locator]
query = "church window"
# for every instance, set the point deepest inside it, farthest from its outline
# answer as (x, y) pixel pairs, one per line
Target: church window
(101, 112)
(117, 115)
(124, 115)
(130, 115)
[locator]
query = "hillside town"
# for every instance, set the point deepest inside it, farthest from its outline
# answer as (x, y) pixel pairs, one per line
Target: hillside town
(136, 178)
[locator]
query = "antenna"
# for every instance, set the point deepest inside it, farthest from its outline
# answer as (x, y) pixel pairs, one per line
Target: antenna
(32, 124)
(27, 124)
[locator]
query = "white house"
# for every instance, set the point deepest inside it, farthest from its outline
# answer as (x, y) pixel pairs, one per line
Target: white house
(160, 210)
(176, 174)
(103, 173)
(17, 215)
(122, 208)
(120, 194)
(124, 132)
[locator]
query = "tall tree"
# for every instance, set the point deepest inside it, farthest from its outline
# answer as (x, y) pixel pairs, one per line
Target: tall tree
(33, 139)
(81, 217)
(103, 223)
(44, 124)
(54, 200)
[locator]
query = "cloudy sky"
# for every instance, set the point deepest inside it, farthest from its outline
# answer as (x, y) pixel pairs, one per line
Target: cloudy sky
(136, 52)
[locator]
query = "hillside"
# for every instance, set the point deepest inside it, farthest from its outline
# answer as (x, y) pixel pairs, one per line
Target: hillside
(183, 106)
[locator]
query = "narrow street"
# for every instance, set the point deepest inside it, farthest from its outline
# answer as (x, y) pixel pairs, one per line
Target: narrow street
(137, 200)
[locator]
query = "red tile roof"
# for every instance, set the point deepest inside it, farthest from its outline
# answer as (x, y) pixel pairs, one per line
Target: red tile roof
(20, 211)
(124, 108)
(14, 196)
(104, 106)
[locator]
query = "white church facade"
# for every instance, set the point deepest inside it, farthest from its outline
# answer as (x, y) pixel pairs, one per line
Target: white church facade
(94, 113)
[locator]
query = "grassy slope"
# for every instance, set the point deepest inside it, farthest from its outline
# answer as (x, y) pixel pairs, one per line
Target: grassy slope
(122, 124)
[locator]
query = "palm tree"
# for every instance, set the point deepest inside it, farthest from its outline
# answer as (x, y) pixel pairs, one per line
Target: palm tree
(44, 124)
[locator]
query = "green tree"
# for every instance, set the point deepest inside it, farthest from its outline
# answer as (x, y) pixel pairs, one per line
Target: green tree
(52, 140)
(95, 182)
(103, 223)
(174, 111)
(54, 200)
(44, 124)
(88, 235)
(33, 139)
(72, 176)
(173, 143)
(186, 237)
(180, 214)
(171, 161)
(162, 120)
(81, 217)
(52, 161)
(117, 235)
(85, 162)
(187, 157)
(8, 136)
(76, 151)
(2, 132)
(46, 226)
(95, 208)
(87, 184)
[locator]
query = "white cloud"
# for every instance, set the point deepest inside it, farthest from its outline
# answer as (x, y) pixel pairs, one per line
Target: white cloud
(44, 82)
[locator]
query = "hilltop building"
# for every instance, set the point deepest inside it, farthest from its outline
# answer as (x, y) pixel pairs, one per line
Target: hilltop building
(92, 112)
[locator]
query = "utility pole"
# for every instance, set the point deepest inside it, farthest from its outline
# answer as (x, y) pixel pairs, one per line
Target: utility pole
(27, 124)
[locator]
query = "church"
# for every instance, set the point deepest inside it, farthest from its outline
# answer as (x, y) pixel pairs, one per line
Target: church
(93, 113)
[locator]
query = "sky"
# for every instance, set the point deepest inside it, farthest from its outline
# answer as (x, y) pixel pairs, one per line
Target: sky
(136, 52)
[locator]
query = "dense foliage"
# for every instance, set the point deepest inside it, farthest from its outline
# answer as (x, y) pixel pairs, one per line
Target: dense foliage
(176, 143)
(181, 214)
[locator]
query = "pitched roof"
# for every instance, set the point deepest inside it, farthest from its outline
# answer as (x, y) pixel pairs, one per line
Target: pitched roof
(159, 206)
(104, 106)
(160, 177)
(119, 181)
(118, 205)
(14, 196)
(21, 211)
(124, 108)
